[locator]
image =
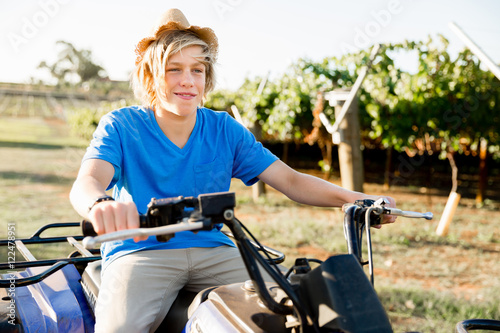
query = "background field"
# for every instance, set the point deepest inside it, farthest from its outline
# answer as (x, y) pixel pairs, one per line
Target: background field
(427, 283)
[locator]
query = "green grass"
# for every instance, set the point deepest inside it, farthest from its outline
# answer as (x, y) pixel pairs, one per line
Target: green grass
(36, 133)
(416, 310)
(39, 164)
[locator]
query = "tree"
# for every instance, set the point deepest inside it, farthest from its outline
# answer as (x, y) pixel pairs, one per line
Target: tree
(73, 65)
(448, 106)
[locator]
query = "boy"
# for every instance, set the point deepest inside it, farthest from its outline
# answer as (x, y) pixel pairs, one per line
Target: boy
(168, 147)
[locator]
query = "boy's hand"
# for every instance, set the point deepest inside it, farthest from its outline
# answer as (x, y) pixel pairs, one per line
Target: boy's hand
(386, 218)
(111, 216)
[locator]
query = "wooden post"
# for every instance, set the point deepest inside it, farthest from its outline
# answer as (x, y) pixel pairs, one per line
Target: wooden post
(345, 131)
(259, 188)
(453, 199)
(483, 171)
(350, 155)
(449, 211)
(388, 167)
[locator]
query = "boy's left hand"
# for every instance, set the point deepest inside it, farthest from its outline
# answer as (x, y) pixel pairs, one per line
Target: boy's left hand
(386, 218)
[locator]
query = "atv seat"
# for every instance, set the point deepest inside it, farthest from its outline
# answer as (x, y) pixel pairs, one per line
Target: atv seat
(178, 314)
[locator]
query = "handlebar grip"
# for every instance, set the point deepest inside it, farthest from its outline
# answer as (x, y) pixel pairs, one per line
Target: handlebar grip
(88, 228)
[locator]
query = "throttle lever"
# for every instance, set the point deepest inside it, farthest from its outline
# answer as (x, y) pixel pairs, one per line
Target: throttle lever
(381, 209)
(399, 212)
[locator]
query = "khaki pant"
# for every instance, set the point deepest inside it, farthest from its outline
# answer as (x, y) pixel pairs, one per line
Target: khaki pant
(138, 289)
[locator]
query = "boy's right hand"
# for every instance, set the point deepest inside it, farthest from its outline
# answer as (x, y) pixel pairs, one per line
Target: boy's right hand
(111, 216)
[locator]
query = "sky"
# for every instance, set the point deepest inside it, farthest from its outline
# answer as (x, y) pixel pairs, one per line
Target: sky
(256, 37)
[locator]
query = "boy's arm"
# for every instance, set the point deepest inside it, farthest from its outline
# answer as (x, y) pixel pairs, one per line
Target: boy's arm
(106, 216)
(307, 189)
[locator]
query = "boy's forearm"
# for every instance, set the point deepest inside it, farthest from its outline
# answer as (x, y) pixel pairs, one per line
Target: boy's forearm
(307, 189)
(312, 190)
(84, 192)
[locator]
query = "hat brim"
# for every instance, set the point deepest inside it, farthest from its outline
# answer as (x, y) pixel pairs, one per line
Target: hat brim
(205, 34)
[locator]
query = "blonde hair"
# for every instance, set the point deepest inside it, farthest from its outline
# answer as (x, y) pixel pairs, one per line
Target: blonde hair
(152, 65)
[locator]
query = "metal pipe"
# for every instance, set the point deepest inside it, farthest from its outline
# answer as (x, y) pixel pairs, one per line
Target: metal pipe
(476, 50)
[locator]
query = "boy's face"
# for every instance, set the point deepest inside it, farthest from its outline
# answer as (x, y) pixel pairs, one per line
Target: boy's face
(182, 90)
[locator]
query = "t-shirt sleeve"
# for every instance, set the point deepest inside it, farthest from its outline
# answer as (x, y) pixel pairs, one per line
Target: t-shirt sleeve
(106, 145)
(251, 158)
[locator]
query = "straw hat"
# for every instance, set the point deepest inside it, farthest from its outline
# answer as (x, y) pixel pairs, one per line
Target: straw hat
(174, 19)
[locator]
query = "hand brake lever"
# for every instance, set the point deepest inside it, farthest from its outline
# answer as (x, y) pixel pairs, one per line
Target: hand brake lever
(90, 242)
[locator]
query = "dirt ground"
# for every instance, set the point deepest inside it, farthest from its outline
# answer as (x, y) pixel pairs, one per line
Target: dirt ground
(465, 262)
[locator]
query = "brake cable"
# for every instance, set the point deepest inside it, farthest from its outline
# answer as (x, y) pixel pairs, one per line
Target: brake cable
(369, 243)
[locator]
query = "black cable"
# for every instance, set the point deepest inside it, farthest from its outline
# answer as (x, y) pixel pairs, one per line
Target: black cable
(249, 258)
(251, 255)
(369, 244)
(261, 247)
(315, 260)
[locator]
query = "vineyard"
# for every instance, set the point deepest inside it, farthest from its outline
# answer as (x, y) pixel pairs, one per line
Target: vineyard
(35, 104)
(23, 100)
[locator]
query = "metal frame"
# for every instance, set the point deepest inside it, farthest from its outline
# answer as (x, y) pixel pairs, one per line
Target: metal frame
(80, 256)
(478, 324)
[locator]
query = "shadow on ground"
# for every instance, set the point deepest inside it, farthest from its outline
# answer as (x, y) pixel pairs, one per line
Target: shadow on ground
(35, 177)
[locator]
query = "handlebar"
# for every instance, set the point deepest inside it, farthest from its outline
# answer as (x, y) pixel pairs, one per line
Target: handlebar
(367, 213)
(410, 214)
(165, 217)
(209, 209)
(89, 241)
(378, 208)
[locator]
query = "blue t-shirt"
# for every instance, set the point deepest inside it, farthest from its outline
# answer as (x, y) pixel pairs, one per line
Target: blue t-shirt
(148, 165)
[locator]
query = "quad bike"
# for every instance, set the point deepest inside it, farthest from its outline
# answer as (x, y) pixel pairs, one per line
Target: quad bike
(59, 295)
